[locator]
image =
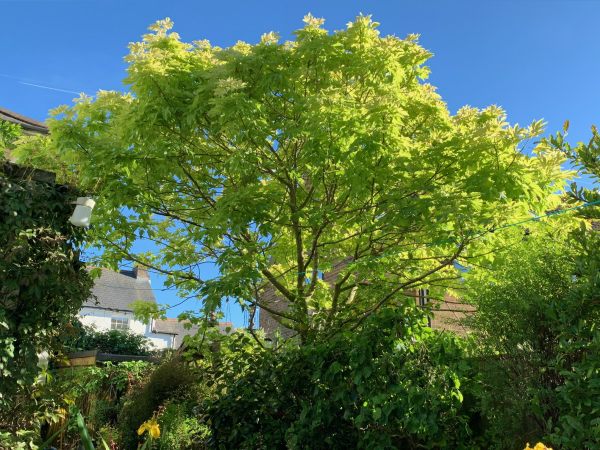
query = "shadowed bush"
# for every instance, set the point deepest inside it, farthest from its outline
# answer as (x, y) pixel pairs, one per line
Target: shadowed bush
(172, 379)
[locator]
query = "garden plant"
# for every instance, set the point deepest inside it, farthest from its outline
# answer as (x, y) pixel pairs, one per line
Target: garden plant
(282, 163)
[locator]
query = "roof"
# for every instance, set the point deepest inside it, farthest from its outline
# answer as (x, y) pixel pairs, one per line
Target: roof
(28, 124)
(179, 330)
(117, 290)
(173, 326)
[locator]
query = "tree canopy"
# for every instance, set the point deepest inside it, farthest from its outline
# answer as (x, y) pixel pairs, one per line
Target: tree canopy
(277, 160)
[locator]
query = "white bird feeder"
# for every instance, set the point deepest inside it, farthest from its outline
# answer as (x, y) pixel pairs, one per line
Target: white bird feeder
(83, 212)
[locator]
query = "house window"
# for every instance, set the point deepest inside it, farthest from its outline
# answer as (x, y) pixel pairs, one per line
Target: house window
(423, 297)
(423, 300)
(119, 323)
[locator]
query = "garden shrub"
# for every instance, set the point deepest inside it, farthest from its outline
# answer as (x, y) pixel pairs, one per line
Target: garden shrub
(172, 379)
(42, 282)
(538, 332)
(97, 392)
(577, 398)
(118, 342)
(394, 383)
(180, 428)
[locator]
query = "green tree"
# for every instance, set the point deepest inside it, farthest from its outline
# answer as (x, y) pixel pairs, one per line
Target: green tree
(579, 423)
(9, 133)
(277, 161)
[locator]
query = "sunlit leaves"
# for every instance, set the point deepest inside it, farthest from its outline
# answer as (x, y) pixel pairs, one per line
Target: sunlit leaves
(276, 161)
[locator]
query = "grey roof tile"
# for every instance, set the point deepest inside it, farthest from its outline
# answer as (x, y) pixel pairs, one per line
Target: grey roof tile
(172, 326)
(117, 290)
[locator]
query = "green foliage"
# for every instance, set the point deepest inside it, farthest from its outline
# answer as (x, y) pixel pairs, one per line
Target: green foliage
(586, 158)
(180, 430)
(521, 306)
(278, 160)
(108, 381)
(42, 282)
(94, 392)
(578, 426)
(98, 392)
(393, 383)
(86, 439)
(19, 440)
(537, 322)
(9, 133)
(119, 342)
(172, 379)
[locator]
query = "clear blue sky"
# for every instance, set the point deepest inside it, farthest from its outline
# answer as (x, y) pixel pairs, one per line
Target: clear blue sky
(535, 58)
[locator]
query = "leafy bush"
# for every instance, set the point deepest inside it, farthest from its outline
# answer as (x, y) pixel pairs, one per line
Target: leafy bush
(393, 383)
(577, 424)
(119, 342)
(536, 321)
(521, 306)
(18, 440)
(98, 391)
(180, 429)
(172, 379)
(94, 391)
(42, 286)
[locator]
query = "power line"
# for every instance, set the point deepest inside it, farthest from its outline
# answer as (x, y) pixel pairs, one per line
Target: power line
(520, 222)
(498, 228)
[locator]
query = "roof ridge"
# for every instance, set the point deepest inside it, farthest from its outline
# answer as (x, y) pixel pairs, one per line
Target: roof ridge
(24, 121)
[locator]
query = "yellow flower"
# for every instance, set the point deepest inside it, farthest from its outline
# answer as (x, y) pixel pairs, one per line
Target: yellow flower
(538, 446)
(143, 427)
(155, 431)
(151, 426)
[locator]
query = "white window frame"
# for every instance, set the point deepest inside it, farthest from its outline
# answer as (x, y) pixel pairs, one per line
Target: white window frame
(119, 323)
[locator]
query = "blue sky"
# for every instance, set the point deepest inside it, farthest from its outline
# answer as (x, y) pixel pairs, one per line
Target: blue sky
(535, 58)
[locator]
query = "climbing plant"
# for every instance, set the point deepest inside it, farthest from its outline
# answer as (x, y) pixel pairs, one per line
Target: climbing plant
(43, 283)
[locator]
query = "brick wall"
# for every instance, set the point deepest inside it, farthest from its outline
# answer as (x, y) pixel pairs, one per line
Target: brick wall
(275, 302)
(266, 321)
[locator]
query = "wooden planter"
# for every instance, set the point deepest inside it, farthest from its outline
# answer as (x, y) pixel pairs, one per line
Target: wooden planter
(95, 358)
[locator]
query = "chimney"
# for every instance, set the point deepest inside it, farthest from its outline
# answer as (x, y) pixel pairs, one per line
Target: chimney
(141, 273)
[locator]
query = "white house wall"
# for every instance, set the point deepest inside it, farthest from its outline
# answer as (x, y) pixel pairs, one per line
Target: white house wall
(101, 319)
